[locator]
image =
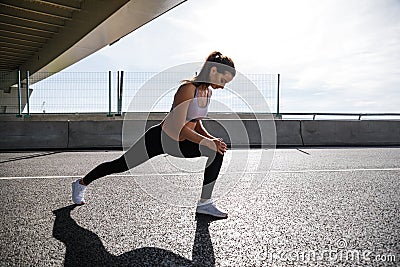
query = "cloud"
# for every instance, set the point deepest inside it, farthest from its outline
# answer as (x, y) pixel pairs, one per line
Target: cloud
(334, 55)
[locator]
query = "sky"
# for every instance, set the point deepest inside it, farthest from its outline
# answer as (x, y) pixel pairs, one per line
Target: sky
(333, 55)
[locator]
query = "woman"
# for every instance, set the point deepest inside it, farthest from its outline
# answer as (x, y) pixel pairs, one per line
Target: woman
(180, 134)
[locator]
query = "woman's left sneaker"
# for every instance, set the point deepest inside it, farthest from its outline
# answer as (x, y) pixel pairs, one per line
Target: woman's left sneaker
(209, 208)
(78, 192)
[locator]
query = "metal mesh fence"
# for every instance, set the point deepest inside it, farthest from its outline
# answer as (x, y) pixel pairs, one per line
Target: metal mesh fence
(99, 92)
(8, 94)
(70, 92)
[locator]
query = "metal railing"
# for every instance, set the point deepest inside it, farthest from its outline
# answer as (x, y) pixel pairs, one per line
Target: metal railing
(359, 116)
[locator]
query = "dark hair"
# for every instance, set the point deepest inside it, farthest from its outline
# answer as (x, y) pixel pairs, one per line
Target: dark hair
(215, 59)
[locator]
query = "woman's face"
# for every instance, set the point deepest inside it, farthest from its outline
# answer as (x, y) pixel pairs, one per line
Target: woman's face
(218, 80)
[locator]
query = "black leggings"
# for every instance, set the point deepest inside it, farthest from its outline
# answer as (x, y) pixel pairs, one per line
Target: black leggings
(155, 142)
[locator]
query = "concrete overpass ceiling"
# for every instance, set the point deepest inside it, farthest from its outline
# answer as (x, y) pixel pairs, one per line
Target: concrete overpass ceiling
(27, 26)
(50, 35)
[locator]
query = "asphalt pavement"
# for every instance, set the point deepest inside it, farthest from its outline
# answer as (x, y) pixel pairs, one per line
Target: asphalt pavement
(288, 207)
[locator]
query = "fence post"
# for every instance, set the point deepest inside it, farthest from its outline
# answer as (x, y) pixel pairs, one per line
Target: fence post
(120, 92)
(118, 114)
(27, 94)
(19, 94)
(109, 94)
(277, 99)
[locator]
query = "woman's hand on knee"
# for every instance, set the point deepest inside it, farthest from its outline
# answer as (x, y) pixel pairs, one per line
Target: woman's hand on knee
(216, 144)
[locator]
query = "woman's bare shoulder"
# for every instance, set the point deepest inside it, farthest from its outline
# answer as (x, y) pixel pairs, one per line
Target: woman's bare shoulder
(186, 89)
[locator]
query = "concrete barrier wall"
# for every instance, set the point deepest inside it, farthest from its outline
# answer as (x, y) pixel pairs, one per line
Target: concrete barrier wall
(327, 133)
(288, 133)
(108, 134)
(33, 135)
(94, 134)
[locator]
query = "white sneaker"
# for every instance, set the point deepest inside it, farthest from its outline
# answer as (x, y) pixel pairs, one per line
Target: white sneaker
(208, 207)
(78, 191)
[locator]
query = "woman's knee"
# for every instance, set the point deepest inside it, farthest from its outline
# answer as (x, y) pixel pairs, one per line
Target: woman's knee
(208, 152)
(215, 158)
(219, 156)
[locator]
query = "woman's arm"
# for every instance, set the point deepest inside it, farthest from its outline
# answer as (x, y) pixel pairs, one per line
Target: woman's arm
(175, 122)
(201, 130)
(221, 146)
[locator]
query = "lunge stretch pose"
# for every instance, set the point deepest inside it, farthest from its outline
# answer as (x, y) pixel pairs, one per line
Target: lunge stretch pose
(180, 134)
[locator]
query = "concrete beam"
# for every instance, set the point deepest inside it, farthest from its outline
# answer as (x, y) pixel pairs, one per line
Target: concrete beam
(97, 24)
(93, 13)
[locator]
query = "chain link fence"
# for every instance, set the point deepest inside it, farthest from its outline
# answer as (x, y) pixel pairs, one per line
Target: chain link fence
(110, 92)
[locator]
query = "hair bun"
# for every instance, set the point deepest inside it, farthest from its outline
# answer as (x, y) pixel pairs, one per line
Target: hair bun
(215, 56)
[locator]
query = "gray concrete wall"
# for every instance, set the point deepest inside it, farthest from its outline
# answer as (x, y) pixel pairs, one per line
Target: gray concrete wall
(326, 133)
(108, 134)
(96, 134)
(33, 135)
(288, 133)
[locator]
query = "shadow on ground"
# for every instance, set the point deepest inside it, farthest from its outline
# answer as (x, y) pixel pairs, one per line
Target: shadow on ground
(35, 155)
(84, 248)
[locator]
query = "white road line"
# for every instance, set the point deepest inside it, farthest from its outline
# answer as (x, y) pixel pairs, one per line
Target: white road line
(337, 170)
(179, 174)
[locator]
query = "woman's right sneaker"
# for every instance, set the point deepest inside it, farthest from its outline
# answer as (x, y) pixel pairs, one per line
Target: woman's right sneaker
(78, 191)
(208, 207)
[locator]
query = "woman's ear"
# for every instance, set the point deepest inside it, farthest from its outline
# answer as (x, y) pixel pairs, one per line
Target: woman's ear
(213, 70)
